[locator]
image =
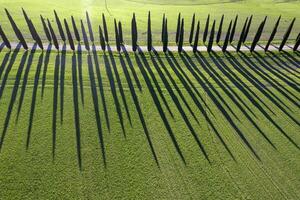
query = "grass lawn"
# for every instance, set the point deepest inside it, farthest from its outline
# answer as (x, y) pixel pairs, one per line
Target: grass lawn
(123, 9)
(201, 126)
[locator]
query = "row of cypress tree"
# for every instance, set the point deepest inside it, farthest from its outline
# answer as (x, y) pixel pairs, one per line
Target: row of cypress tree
(179, 38)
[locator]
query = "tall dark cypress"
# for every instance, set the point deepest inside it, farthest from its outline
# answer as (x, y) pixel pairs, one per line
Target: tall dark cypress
(257, 35)
(238, 47)
(16, 30)
(286, 35)
(84, 36)
(76, 32)
(102, 39)
(220, 30)
(211, 37)
(90, 27)
(181, 36)
(149, 33)
(105, 28)
(162, 28)
(36, 35)
(120, 33)
(272, 34)
(60, 28)
(247, 29)
(206, 29)
(166, 37)
(4, 38)
(178, 28)
(134, 33)
(195, 46)
(46, 30)
(28, 24)
(117, 36)
(227, 37)
(297, 43)
(54, 38)
(192, 29)
(233, 29)
(69, 35)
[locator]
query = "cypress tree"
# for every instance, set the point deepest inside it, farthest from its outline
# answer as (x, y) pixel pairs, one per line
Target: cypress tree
(247, 29)
(238, 47)
(134, 33)
(55, 42)
(76, 32)
(162, 28)
(89, 27)
(233, 28)
(46, 30)
(181, 36)
(105, 28)
(220, 30)
(120, 33)
(286, 35)
(192, 29)
(297, 43)
(70, 38)
(227, 37)
(149, 33)
(166, 37)
(211, 37)
(272, 34)
(16, 30)
(84, 36)
(195, 46)
(36, 35)
(28, 24)
(60, 28)
(102, 39)
(206, 29)
(178, 28)
(257, 35)
(4, 38)
(117, 36)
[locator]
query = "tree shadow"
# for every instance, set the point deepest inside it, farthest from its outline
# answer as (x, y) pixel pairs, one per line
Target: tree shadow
(76, 109)
(25, 79)
(46, 62)
(113, 91)
(62, 81)
(12, 60)
(96, 107)
(193, 69)
(159, 107)
(113, 63)
(13, 96)
(79, 63)
(4, 62)
(137, 106)
(2, 45)
(101, 89)
(33, 98)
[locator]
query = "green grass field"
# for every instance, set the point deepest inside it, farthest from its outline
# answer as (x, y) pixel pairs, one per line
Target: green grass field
(62, 137)
(123, 9)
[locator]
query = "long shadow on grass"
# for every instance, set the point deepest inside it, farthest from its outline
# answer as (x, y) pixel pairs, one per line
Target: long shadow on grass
(12, 60)
(221, 65)
(25, 79)
(4, 62)
(265, 90)
(101, 89)
(158, 106)
(33, 98)
(176, 101)
(137, 106)
(13, 97)
(187, 87)
(46, 62)
(79, 63)
(2, 45)
(55, 96)
(96, 106)
(113, 63)
(114, 91)
(76, 109)
(193, 69)
(62, 81)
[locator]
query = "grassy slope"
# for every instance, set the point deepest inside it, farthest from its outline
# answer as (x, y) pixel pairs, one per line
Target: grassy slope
(131, 171)
(123, 9)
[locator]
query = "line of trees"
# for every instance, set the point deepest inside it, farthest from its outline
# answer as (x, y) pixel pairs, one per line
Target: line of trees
(209, 37)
